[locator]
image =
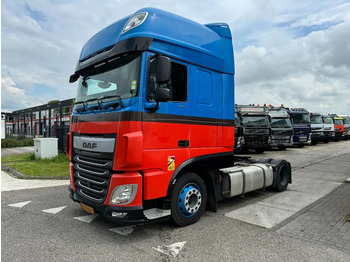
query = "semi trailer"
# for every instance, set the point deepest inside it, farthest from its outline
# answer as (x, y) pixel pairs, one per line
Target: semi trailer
(152, 129)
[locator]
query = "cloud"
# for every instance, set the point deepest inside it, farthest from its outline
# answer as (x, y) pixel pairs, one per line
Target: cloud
(296, 53)
(12, 96)
(310, 71)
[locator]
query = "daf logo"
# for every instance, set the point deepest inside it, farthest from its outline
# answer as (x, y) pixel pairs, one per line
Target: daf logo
(89, 145)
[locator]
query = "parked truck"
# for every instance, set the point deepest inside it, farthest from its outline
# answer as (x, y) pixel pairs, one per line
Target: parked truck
(281, 127)
(346, 120)
(317, 130)
(253, 128)
(301, 126)
(338, 128)
(152, 130)
(328, 127)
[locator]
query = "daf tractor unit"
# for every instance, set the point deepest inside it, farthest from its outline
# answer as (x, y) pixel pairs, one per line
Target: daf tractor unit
(301, 126)
(317, 131)
(281, 127)
(328, 128)
(253, 128)
(152, 129)
(338, 128)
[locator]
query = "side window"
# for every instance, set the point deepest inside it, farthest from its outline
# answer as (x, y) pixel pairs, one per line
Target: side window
(177, 84)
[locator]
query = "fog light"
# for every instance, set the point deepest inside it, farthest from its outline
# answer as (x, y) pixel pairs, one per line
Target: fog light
(119, 214)
(124, 194)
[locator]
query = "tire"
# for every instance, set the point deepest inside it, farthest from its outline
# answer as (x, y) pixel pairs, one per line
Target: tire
(188, 200)
(282, 177)
(336, 140)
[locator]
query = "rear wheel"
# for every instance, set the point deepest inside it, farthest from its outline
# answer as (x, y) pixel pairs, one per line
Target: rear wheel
(282, 176)
(188, 200)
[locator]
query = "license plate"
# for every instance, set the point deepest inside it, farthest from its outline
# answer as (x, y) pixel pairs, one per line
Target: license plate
(303, 139)
(87, 208)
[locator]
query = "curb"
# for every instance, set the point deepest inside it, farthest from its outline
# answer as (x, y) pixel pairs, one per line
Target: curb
(14, 173)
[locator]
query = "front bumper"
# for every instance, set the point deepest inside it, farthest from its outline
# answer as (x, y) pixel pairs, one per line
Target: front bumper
(123, 215)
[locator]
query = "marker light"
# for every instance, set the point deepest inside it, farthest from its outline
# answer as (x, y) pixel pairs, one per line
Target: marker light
(124, 194)
(134, 21)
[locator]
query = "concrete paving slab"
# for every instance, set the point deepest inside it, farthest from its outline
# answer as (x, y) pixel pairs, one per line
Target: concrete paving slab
(313, 186)
(274, 209)
(9, 183)
(261, 215)
(290, 200)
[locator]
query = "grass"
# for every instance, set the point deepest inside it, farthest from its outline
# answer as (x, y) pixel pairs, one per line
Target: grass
(28, 165)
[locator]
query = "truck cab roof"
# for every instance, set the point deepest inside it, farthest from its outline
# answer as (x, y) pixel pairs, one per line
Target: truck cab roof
(175, 36)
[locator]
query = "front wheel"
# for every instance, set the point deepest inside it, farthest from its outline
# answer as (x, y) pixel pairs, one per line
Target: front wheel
(188, 200)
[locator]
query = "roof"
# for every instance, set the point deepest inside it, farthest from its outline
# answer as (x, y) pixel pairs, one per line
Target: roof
(206, 45)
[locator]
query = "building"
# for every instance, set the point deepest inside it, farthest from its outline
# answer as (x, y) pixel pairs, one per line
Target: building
(49, 120)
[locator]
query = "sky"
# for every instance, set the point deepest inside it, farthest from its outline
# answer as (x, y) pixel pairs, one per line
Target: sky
(295, 53)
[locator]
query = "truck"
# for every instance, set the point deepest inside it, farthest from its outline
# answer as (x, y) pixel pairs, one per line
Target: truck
(252, 127)
(152, 129)
(301, 126)
(338, 128)
(346, 119)
(328, 128)
(317, 130)
(281, 127)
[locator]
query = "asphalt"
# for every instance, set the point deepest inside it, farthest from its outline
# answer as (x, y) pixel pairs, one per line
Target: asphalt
(325, 222)
(17, 150)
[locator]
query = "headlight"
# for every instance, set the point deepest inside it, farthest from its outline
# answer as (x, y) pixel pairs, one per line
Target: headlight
(134, 21)
(124, 194)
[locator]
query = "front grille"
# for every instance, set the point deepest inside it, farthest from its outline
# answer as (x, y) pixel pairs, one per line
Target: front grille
(92, 176)
(301, 131)
(256, 131)
(281, 132)
(256, 140)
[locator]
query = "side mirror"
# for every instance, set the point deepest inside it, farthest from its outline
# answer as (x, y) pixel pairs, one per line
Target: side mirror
(73, 78)
(163, 70)
(162, 94)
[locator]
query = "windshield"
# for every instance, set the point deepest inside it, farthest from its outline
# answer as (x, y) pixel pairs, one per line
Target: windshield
(316, 120)
(236, 120)
(347, 120)
(327, 120)
(116, 78)
(338, 122)
(281, 122)
(255, 121)
(301, 118)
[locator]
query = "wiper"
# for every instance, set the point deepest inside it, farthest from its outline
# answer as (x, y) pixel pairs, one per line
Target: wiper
(89, 100)
(112, 96)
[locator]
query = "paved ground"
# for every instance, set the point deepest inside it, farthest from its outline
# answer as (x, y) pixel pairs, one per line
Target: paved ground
(314, 227)
(9, 183)
(16, 150)
(325, 222)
